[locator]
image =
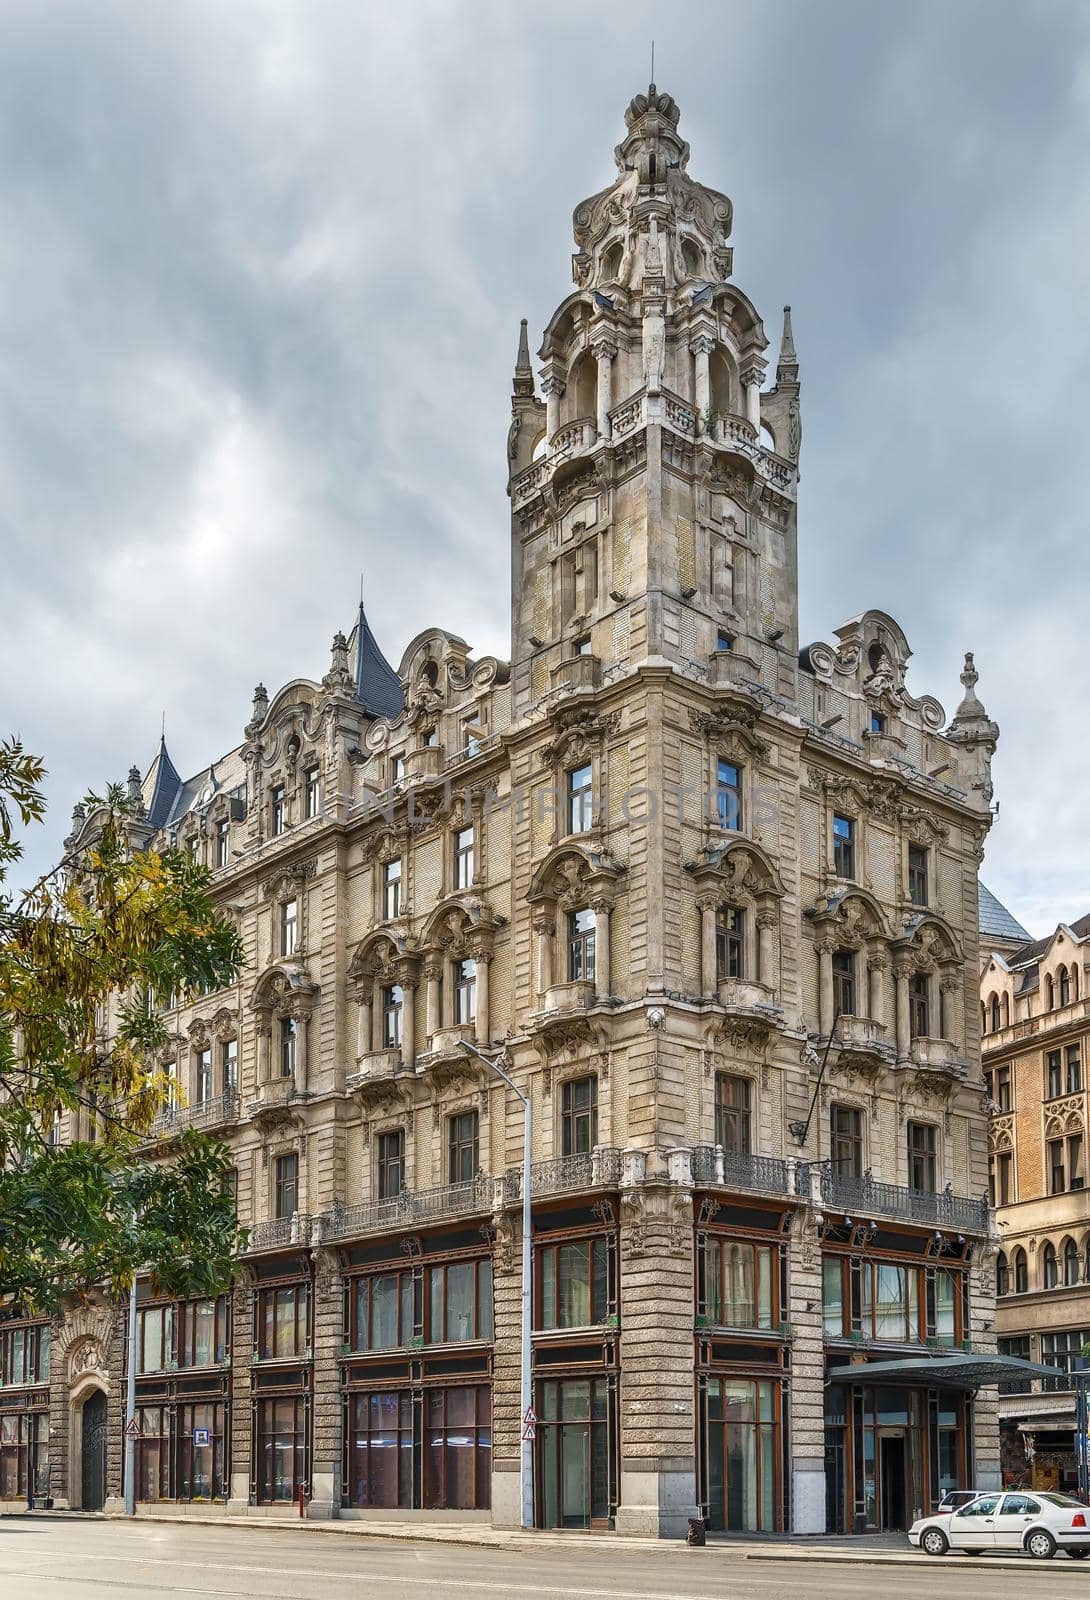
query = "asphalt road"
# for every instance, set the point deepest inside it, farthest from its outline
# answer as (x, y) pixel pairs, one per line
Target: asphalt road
(73, 1559)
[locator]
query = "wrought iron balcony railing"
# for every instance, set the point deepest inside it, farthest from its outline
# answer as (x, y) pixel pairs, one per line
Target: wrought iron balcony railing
(732, 1169)
(410, 1209)
(281, 1231)
(600, 1168)
(215, 1113)
(867, 1196)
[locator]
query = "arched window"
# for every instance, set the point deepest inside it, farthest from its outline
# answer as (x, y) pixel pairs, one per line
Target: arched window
(1021, 1272)
(1065, 987)
(995, 1013)
(611, 262)
(1050, 1272)
(584, 386)
(722, 385)
(1050, 993)
(1002, 1275)
(1071, 1264)
(1006, 1011)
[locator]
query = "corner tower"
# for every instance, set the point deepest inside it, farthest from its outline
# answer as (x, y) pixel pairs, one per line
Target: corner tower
(653, 487)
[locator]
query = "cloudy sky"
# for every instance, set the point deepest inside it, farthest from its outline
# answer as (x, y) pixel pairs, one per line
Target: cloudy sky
(261, 269)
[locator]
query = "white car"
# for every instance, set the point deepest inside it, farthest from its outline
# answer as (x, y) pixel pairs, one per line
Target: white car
(1041, 1522)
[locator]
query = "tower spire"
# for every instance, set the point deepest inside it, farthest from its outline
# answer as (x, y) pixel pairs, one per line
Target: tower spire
(787, 368)
(524, 373)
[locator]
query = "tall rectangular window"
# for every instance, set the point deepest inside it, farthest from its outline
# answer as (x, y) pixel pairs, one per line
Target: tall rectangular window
(999, 1178)
(462, 1147)
(286, 1195)
(277, 810)
(847, 1141)
(1054, 1070)
(730, 943)
(574, 1284)
(289, 927)
(229, 1065)
(581, 946)
(919, 1005)
(310, 792)
(204, 1075)
(391, 890)
(1057, 1177)
(917, 874)
(580, 799)
(390, 1164)
(1074, 1070)
(223, 842)
(283, 1318)
(922, 1157)
(844, 983)
(463, 858)
(1002, 1093)
(579, 1116)
(465, 991)
(289, 1032)
(844, 846)
(393, 1000)
(733, 1113)
(728, 794)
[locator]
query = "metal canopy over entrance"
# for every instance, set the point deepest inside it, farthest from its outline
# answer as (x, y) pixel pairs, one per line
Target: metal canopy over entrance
(960, 1371)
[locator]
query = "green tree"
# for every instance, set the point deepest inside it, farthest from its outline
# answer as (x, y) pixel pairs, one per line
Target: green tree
(116, 929)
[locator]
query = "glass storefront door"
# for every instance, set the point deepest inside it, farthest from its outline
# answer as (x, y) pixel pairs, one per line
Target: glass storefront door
(574, 1452)
(890, 1452)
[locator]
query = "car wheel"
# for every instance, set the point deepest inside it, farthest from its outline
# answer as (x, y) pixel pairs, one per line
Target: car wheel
(1080, 1554)
(935, 1542)
(1041, 1544)
(974, 1552)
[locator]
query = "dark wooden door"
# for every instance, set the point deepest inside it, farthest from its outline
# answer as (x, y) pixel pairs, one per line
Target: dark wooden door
(94, 1452)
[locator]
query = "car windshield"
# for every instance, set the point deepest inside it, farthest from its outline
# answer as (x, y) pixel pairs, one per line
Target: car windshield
(1061, 1500)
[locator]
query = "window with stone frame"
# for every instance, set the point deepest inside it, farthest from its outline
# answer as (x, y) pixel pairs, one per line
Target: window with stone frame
(390, 1164)
(223, 842)
(278, 809)
(463, 1146)
(1021, 1272)
(1073, 1061)
(391, 889)
(311, 792)
(463, 858)
(734, 1113)
(1002, 1088)
(730, 943)
(1053, 1074)
(579, 1115)
(843, 846)
(1050, 1268)
(393, 1003)
(846, 1140)
(728, 794)
(1065, 1168)
(999, 1178)
(917, 874)
(581, 927)
(844, 989)
(286, 1185)
(289, 928)
(919, 1005)
(203, 1074)
(923, 1157)
(229, 1065)
(1071, 1264)
(465, 991)
(580, 798)
(289, 1035)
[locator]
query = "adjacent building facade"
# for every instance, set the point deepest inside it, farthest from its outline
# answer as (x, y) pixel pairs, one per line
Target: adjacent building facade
(713, 895)
(1036, 1025)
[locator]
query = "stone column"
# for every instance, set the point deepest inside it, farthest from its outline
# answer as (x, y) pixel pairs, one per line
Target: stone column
(376, 1013)
(952, 1012)
(709, 976)
(701, 347)
(604, 350)
(545, 929)
(264, 1043)
(878, 967)
(408, 1019)
(767, 923)
(552, 387)
(302, 1036)
(433, 973)
(751, 382)
(482, 1032)
(601, 910)
(825, 989)
(901, 974)
(363, 1024)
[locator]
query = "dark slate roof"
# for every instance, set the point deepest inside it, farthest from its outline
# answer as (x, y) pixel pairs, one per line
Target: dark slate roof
(377, 684)
(995, 920)
(1037, 947)
(161, 787)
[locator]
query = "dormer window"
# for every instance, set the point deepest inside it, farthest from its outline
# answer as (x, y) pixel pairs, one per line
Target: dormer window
(277, 810)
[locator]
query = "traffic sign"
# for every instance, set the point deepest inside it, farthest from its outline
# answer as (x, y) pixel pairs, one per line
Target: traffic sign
(201, 1436)
(132, 1429)
(529, 1424)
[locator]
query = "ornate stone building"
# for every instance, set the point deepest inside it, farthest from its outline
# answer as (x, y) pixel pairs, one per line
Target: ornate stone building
(714, 895)
(1036, 1024)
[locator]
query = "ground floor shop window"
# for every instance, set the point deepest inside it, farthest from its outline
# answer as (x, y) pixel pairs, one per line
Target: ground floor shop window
(410, 1448)
(575, 1452)
(744, 1455)
(891, 1453)
(24, 1455)
(282, 1455)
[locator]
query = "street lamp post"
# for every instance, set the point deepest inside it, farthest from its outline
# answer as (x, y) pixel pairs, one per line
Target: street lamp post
(526, 1460)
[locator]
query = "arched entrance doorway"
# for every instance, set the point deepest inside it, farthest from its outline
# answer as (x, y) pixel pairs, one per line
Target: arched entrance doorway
(93, 1452)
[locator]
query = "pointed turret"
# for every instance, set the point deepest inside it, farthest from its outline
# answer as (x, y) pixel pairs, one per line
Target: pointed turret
(787, 368)
(524, 373)
(974, 730)
(160, 787)
(378, 686)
